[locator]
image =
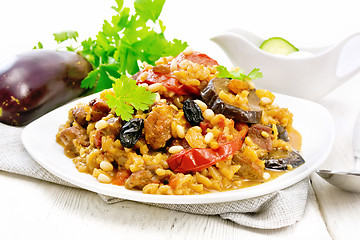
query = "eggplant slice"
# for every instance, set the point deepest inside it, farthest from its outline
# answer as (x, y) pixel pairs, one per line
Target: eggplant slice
(210, 96)
(281, 162)
(282, 133)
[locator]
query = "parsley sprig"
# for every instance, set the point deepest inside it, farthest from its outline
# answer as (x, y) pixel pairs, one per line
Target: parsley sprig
(128, 96)
(126, 40)
(122, 42)
(238, 74)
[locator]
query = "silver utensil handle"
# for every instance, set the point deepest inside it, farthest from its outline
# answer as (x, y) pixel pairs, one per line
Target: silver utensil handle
(356, 145)
(356, 137)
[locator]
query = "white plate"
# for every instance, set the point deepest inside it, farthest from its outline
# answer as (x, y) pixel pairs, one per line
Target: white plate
(312, 120)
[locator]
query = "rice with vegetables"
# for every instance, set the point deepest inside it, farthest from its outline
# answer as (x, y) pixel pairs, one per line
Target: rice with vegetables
(207, 130)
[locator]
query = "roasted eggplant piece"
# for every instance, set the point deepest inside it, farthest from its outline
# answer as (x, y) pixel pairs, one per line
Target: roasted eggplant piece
(279, 160)
(282, 133)
(210, 95)
(35, 82)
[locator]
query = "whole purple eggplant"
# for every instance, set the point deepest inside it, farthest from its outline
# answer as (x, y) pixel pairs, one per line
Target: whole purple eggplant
(35, 82)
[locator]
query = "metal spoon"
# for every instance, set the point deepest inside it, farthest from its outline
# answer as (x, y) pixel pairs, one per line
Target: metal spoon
(349, 181)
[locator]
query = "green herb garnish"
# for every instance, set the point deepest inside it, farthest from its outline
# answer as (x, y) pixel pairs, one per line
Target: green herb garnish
(65, 35)
(238, 74)
(129, 96)
(122, 42)
(126, 40)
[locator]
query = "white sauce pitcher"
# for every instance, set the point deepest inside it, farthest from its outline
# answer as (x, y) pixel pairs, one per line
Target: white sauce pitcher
(310, 73)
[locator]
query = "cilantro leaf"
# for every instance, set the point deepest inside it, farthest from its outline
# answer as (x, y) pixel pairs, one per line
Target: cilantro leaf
(91, 79)
(129, 96)
(123, 42)
(223, 72)
(255, 74)
(104, 72)
(106, 82)
(238, 74)
(63, 36)
(149, 9)
(39, 46)
(120, 4)
(128, 39)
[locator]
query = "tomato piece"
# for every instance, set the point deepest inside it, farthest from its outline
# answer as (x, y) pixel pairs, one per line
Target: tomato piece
(171, 83)
(97, 139)
(196, 159)
(120, 177)
(168, 80)
(173, 181)
(199, 58)
(204, 125)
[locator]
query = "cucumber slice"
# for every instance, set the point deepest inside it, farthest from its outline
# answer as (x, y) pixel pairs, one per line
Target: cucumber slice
(278, 45)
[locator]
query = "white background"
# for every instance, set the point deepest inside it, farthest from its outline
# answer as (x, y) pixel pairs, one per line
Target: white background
(304, 23)
(40, 209)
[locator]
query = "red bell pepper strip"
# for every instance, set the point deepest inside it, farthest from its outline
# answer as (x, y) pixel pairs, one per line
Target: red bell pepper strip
(196, 159)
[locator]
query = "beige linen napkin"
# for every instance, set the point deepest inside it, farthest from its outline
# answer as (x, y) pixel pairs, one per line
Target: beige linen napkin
(271, 211)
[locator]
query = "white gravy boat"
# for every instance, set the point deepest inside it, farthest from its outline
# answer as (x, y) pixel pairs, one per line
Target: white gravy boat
(310, 75)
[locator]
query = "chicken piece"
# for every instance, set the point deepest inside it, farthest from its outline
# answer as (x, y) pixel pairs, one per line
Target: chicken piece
(68, 136)
(158, 126)
(79, 114)
(252, 167)
(139, 179)
(261, 135)
(99, 109)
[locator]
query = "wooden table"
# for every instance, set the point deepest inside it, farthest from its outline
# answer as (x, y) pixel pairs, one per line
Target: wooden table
(34, 208)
